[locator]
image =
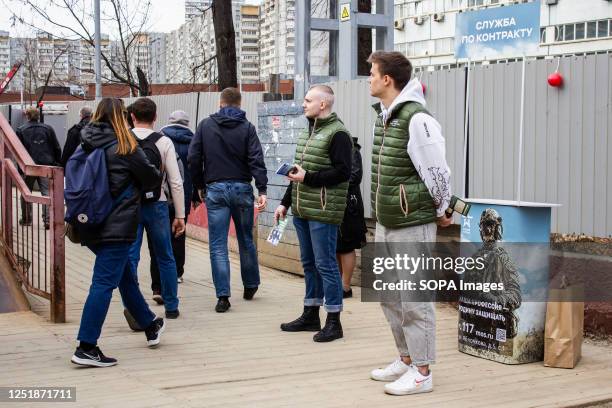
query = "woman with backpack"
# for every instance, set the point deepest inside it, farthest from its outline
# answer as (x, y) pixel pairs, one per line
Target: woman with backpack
(128, 172)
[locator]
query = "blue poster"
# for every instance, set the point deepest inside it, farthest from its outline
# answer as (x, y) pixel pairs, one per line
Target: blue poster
(509, 31)
(507, 327)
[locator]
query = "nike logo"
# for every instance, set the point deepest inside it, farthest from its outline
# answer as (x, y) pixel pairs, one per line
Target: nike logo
(422, 381)
(95, 358)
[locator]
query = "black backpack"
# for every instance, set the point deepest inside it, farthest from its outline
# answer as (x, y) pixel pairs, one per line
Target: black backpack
(154, 156)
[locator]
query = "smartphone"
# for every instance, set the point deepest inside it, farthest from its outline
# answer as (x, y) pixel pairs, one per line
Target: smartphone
(285, 169)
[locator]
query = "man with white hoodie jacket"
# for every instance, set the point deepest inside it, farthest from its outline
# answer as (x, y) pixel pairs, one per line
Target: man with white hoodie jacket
(410, 193)
(154, 216)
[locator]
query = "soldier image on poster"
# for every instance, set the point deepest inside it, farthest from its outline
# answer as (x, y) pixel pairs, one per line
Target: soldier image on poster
(487, 320)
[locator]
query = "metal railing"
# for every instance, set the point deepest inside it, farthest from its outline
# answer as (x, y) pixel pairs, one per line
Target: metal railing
(33, 242)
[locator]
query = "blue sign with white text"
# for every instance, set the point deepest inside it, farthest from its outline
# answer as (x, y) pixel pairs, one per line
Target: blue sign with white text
(508, 31)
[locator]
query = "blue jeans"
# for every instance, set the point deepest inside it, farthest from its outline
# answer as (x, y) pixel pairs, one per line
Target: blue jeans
(111, 270)
(318, 255)
(154, 217)
(224, 200)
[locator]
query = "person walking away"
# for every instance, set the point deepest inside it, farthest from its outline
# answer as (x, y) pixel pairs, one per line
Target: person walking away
(128, 172)
(155, 214)
(410, 192)
(352, 231)
(317, 198)
(73, 137)
(41, 144)
(178, 131)
(224, 156)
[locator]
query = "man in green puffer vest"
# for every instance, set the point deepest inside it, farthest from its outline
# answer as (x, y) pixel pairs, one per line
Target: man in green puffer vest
(410, 193)
(317, 196)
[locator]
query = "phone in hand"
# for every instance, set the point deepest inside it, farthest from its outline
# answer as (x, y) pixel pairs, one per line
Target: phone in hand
(285, 169)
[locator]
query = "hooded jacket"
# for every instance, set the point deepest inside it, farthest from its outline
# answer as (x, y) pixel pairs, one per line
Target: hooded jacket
(410, 176)
(124, 171)
(181, 137)
(226, 147)
(41, 143)
(73, 140)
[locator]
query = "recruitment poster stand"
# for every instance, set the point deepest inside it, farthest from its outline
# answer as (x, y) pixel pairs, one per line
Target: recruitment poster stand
(506, 326)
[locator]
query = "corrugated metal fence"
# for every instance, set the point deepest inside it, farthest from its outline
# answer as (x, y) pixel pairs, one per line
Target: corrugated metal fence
(197, 105)
(566, 140)
(566, 143)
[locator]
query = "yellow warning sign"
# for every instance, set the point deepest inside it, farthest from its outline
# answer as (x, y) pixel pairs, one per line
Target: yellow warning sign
(345, 12)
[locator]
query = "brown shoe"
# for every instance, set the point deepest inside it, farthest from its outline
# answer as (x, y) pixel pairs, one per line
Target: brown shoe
(157, 297)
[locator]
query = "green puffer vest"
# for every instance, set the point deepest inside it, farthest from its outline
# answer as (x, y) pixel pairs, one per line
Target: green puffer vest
(323, 204)
(399, 195)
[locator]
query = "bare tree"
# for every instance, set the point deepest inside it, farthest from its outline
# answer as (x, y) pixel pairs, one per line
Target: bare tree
(71, 20)
(225, 40)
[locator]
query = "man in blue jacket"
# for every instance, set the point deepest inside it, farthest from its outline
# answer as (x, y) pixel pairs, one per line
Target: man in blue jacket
(224, 156)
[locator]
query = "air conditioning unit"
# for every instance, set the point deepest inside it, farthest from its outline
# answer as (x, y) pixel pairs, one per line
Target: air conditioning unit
(439, 17)
(398, 24)
(419, 20)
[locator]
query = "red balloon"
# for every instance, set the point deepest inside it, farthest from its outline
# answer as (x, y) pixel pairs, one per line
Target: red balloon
(555, 79)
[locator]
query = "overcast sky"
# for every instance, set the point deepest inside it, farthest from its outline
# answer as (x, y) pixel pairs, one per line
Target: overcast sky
(167, 15)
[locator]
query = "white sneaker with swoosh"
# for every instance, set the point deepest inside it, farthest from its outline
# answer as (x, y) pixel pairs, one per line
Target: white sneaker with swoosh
(412, 382)
(391, 372)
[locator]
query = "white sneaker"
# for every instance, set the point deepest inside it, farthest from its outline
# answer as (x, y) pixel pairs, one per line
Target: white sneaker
(391, 372)
(412, 382)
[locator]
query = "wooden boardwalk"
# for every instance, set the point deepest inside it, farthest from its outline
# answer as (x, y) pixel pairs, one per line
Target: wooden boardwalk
(242, 359)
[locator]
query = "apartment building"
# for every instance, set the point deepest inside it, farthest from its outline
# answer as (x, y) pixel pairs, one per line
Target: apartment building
(247, 45)
(5, 54)
(277, 38)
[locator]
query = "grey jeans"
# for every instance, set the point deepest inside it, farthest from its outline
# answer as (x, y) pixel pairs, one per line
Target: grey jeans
(413, 324)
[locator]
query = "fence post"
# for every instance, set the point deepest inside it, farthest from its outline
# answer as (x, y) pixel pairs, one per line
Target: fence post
(58, 282)
(7, 208)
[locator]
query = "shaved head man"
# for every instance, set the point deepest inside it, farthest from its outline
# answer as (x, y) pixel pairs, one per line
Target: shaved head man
(318, 102)
(317, 196)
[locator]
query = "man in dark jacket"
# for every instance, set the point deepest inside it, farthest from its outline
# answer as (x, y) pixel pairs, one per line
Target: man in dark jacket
(41, 143)
(73, 137)
(224, 156)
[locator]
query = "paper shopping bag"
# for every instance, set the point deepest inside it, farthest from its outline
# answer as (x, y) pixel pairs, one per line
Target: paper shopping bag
(563, 330)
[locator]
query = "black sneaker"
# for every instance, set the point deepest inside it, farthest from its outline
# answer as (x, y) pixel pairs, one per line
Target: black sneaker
(249, 293)
(154, 331)
(347, 293)
(223, 305)
(92, 358)
(172, 314)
